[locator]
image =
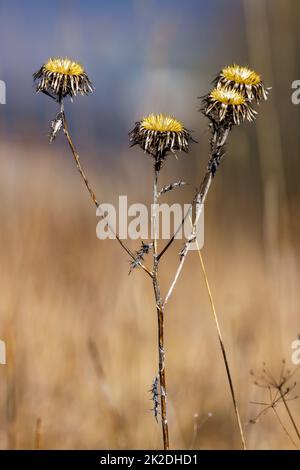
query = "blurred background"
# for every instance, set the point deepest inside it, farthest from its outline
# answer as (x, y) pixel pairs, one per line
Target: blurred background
(81, 333)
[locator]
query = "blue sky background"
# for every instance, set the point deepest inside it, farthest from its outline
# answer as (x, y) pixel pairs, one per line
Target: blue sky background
(142, 55)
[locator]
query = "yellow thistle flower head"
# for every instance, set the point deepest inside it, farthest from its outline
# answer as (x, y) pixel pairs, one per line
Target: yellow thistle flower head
(158, 135)
(64, 66)
(240, 74)
(61, 77)
(227, 96)
(243, 79)
(161, 123)
(227, 106)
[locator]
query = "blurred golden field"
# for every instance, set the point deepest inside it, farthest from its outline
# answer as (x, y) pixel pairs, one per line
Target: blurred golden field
(81, 333)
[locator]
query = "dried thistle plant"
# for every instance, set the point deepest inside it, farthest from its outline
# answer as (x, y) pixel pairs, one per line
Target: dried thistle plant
(244, 80)
(224, 110)
(158, 135)
(279, 392)
(60, 77)
(228, 104)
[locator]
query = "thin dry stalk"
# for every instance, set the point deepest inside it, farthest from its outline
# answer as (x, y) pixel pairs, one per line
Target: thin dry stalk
(91, 192)
(38, 434)
(11, 395)
(224, 354)
(218, 141)
(289, 412)
(274, 402)
(78, 163)
(200, 199)
(283, 427)
(267, 381)
(160, 321)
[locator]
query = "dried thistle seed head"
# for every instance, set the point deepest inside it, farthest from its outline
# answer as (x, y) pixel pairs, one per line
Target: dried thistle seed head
(243, 79)
(228, 106)
(159, 135)
(62, 77)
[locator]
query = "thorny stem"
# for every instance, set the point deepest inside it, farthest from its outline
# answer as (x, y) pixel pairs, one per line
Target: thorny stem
(160, 320)
(234, 400)
(218, 140)
(154, 215)
(201, 196)
(87, 184)
(289, 412)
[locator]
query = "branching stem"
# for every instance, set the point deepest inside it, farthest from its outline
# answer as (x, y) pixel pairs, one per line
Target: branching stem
(218, 140)
(91, 192)
(282, 395)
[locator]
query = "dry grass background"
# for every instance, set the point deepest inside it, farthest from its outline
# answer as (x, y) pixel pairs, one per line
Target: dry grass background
(81, 334)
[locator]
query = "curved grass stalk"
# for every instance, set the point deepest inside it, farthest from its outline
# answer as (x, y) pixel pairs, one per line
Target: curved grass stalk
(224, 354)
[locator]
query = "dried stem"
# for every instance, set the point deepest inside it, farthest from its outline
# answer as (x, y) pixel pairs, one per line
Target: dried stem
(160, 320)
(218, 140)
(283, 427)
(201, 196)
(91, 192)
(282, 395)
(214, 312)
(78, 163)
(266, 380)
(38, 434)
